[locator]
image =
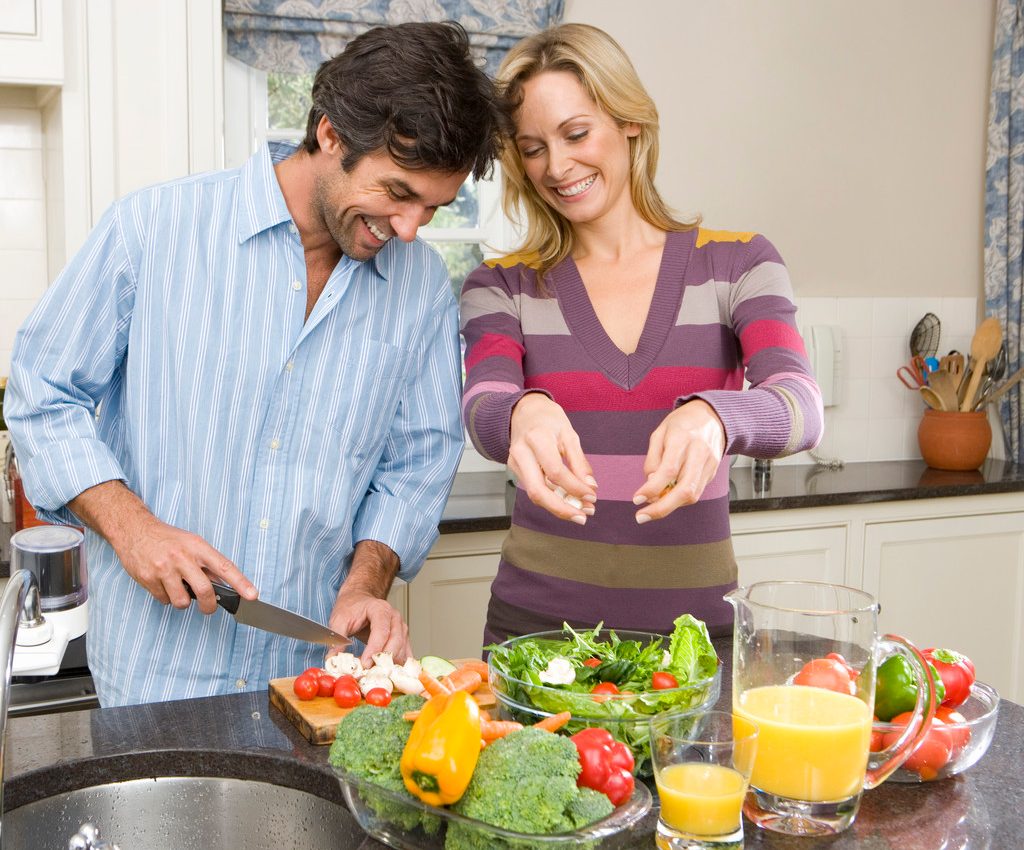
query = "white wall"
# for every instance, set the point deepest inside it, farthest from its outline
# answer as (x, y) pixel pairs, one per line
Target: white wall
(852, 134)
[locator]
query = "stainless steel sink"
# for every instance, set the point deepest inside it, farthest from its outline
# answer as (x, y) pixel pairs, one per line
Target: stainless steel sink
(185, 813)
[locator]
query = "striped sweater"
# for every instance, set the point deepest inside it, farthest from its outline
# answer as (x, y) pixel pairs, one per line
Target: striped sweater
(722, 310)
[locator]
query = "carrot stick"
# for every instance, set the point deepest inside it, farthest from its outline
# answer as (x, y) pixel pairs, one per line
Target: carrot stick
(432, 685)
(554, 722)
(463, 679)
(491, 730)
(478, 665)
(411, 715)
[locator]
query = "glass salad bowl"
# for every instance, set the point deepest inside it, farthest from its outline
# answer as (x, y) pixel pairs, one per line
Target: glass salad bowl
(962, 743)
(401, 821)
(625, 715)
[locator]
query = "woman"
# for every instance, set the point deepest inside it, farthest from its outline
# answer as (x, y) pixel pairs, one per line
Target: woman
(605, 360)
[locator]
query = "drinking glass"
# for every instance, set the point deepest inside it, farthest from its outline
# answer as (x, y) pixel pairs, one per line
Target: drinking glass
(702, 764)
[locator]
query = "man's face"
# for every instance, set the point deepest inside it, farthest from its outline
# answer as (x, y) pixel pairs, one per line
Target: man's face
(378, 199)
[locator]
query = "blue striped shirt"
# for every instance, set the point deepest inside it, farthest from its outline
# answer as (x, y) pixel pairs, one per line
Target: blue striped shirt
(281, 441)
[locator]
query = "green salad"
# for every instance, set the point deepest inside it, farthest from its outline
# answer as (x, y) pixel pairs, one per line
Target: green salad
(604, 680)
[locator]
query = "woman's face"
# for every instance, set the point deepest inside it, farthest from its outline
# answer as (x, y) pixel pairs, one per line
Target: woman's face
(573, 152)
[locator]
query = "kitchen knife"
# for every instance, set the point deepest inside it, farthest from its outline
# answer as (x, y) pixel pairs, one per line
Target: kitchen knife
(271, 618)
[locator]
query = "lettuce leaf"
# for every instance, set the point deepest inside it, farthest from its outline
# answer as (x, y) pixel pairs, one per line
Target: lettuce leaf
(692, 657)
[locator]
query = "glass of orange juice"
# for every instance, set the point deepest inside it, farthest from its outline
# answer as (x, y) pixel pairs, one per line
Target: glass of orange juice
(702, 765)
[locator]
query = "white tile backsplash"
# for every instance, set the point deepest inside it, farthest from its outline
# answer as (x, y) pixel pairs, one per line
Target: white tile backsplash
(876, 417)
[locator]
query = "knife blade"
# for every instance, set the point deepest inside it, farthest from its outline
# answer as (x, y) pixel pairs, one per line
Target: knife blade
(271, 618)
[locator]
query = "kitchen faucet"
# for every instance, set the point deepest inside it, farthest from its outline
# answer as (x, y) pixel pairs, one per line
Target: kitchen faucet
(20, 595)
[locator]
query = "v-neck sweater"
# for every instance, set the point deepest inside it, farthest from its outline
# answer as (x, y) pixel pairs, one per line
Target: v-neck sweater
(722, 312)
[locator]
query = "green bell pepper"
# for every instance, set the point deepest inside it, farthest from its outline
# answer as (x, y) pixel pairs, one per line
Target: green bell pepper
(896, 687)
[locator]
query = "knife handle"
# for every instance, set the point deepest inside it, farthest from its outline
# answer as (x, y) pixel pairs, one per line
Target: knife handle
(226, 597)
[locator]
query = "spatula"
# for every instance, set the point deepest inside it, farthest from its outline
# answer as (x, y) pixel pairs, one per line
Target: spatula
(944, 385)
(984, 346)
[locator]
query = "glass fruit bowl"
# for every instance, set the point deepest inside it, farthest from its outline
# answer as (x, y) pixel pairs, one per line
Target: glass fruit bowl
(625, 715)
(401, 821)
(951, 748)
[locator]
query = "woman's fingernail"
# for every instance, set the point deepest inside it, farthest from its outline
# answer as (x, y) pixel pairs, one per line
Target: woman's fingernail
(639, 499)
(560, 491)
(589, 497)
(573, 502)
(642, 518)
(591, 480)
(589, 510)
(579, 519)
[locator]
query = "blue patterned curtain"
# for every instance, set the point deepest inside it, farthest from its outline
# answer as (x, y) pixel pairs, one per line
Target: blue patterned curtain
(1004, 205)
(298, 35)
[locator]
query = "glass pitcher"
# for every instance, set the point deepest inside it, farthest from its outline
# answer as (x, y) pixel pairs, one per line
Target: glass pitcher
(814, 760)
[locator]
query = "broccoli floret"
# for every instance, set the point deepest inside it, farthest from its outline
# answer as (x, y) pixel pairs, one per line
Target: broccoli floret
(368, 745)
(588, 807)
(524, 782)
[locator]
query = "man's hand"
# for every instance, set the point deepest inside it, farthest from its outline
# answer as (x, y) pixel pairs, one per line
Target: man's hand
(362, 609)
(158, 556)
(682, 458)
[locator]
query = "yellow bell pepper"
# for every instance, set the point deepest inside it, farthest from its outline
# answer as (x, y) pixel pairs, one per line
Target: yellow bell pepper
(443, 748)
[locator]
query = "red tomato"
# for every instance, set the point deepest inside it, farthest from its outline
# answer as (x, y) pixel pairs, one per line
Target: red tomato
(592, 662)
(662, 681)
(313, 672)
(325, 685)
(346, 692)
(378, 696)
(835, 656)
(956, 671)
(605, 688)
(305, 687)
(960, 734)
(825, 673)
(932, 754)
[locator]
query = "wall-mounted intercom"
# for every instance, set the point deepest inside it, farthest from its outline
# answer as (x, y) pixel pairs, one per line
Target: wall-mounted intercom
(824, 344)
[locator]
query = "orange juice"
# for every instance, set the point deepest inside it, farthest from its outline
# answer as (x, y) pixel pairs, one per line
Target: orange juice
(701, 799)
(813, 743)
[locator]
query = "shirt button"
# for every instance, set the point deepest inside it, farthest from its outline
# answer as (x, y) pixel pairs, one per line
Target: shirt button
(240, 683)
(264, 523)
(275, 444)
(296, 285)
(289, 365)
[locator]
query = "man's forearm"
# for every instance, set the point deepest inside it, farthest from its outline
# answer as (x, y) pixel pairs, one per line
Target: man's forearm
(374, 567)
(112, 511)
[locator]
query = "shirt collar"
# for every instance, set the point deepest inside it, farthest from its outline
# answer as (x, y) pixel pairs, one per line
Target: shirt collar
(261, 204)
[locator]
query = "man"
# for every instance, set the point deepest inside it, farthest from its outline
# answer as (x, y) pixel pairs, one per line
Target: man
(244, 375)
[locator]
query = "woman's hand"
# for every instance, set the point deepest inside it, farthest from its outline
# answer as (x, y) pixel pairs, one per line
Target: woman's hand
(683, 456)
(546, 457)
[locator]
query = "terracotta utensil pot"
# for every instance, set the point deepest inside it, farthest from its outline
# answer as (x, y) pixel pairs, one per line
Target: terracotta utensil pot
(953, 439)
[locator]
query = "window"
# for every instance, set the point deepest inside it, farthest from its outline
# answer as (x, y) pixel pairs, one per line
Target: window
(263, 106)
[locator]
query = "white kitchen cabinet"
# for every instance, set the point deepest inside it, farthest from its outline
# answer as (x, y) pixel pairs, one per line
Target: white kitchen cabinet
(956, 582)
(448, 599)
(31, 42)
(813, 554)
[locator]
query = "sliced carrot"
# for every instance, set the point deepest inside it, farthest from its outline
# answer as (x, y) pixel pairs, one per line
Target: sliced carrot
(478, 665)
(463, 679)
(411, 715)
(491, 730)
(432, 685)
(554, 722)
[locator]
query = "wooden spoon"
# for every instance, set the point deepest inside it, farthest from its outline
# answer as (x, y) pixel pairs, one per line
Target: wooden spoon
(933, 399)
(944, 385)
(984, 346)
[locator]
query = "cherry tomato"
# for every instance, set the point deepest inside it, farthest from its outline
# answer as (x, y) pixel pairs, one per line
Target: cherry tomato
(313, 672)
(932, 754)
(603, 690)
(618, 787)
(662, 681)
(956, 723)
(325, 685)
(825, 673)
(346, 692)
(378, 696)
(305, 687)
(876, 739)
(592, 662)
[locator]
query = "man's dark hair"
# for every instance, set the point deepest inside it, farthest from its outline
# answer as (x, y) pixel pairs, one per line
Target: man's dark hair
(414, 91)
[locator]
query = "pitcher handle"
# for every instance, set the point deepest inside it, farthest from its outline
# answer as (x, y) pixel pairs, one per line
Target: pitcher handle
(882, 764)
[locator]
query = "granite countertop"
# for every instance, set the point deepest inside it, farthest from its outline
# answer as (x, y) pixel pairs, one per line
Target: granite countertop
(482, 501)
(242, 736)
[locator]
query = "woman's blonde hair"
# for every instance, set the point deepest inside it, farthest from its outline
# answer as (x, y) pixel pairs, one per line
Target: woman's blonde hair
(607, 75)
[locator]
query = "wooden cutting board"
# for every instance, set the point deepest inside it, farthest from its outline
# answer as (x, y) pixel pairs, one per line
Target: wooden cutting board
(317, 719)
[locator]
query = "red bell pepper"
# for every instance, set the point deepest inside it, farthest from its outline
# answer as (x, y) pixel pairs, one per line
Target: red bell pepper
(956, 671)
(606, 765)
